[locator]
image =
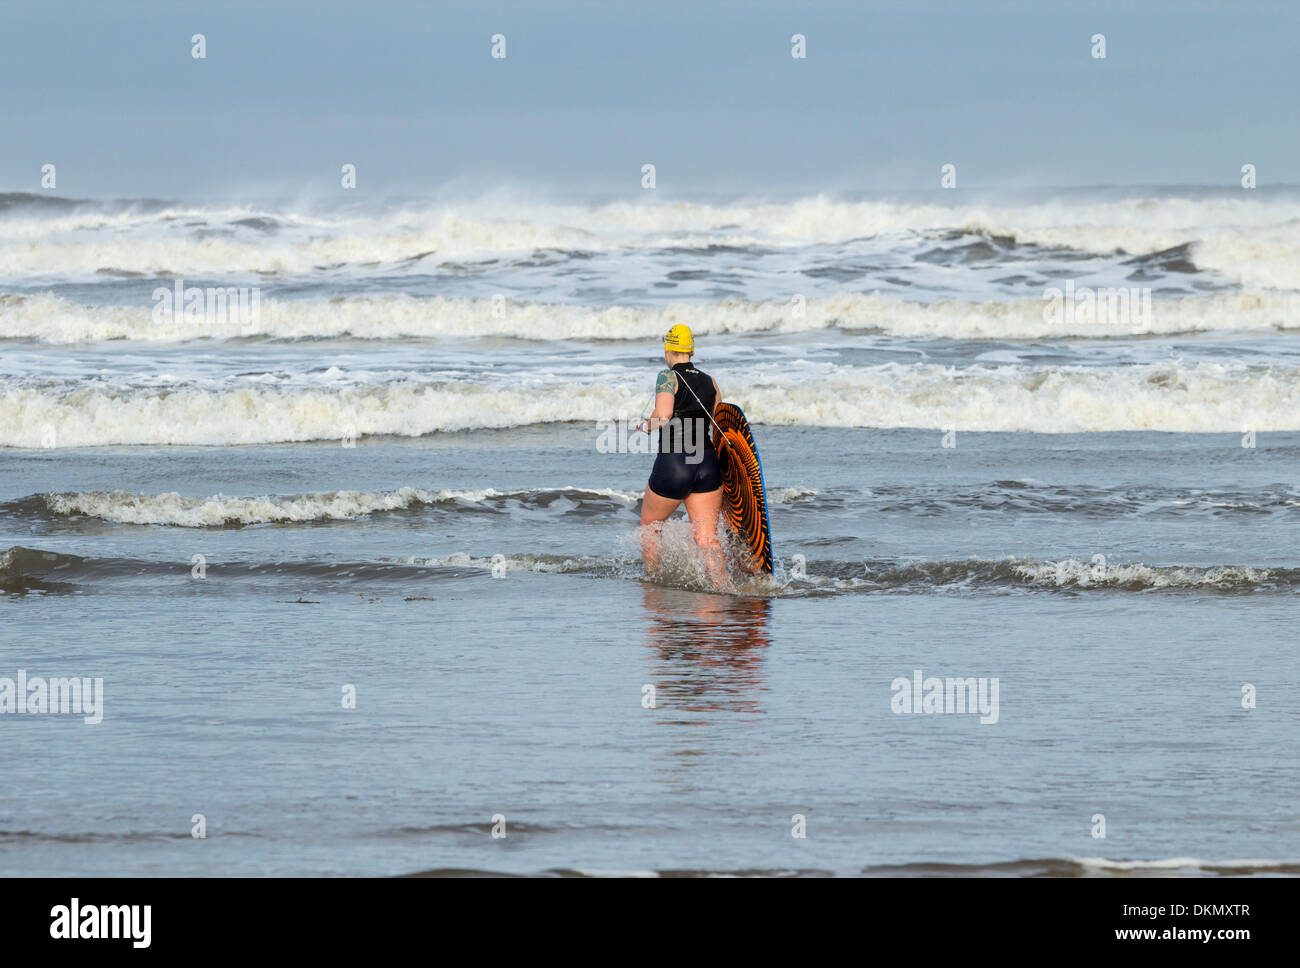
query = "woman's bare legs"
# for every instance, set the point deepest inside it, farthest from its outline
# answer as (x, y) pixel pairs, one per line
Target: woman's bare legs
(703, 510)
(654, 511)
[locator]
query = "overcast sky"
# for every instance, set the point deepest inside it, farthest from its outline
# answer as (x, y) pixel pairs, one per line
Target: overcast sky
(590, 91)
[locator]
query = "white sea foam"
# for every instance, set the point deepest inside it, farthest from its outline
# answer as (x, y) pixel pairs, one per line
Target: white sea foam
(1179, 863)
(1171, 396)
(217, 510)
(1138, 575)
(1255, 242)
(54, 320)
(122, 507)
(789, 495)
(208, 242)
(198, 512)
(551, 564)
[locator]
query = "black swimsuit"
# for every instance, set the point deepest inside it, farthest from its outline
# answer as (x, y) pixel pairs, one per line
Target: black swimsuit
(687, 462)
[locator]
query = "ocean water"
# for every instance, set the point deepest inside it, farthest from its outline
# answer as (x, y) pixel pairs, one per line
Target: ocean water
(384, 480)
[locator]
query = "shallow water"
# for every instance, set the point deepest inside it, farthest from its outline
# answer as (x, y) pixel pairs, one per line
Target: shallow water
(521, 696)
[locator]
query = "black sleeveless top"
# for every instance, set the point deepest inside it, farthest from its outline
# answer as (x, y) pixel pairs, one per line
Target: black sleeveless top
(689, 430)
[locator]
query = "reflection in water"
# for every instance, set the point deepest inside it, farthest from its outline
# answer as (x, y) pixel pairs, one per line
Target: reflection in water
(708, 649)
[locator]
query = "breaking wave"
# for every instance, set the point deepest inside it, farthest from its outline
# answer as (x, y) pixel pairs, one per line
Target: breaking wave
(1028, 573)
(51, 319)
(221, 510)
(1254, 242)
(1173, 396)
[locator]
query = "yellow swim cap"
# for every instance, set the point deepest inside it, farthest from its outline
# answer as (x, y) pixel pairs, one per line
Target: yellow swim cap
(679, 339)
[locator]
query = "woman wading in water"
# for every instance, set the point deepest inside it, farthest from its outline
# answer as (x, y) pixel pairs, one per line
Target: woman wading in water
(686, 469)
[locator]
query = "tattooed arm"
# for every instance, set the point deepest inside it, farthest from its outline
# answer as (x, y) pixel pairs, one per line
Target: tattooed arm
(665, 392)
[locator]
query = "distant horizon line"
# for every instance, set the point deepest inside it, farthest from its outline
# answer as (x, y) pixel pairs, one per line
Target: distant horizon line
(20, 197)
